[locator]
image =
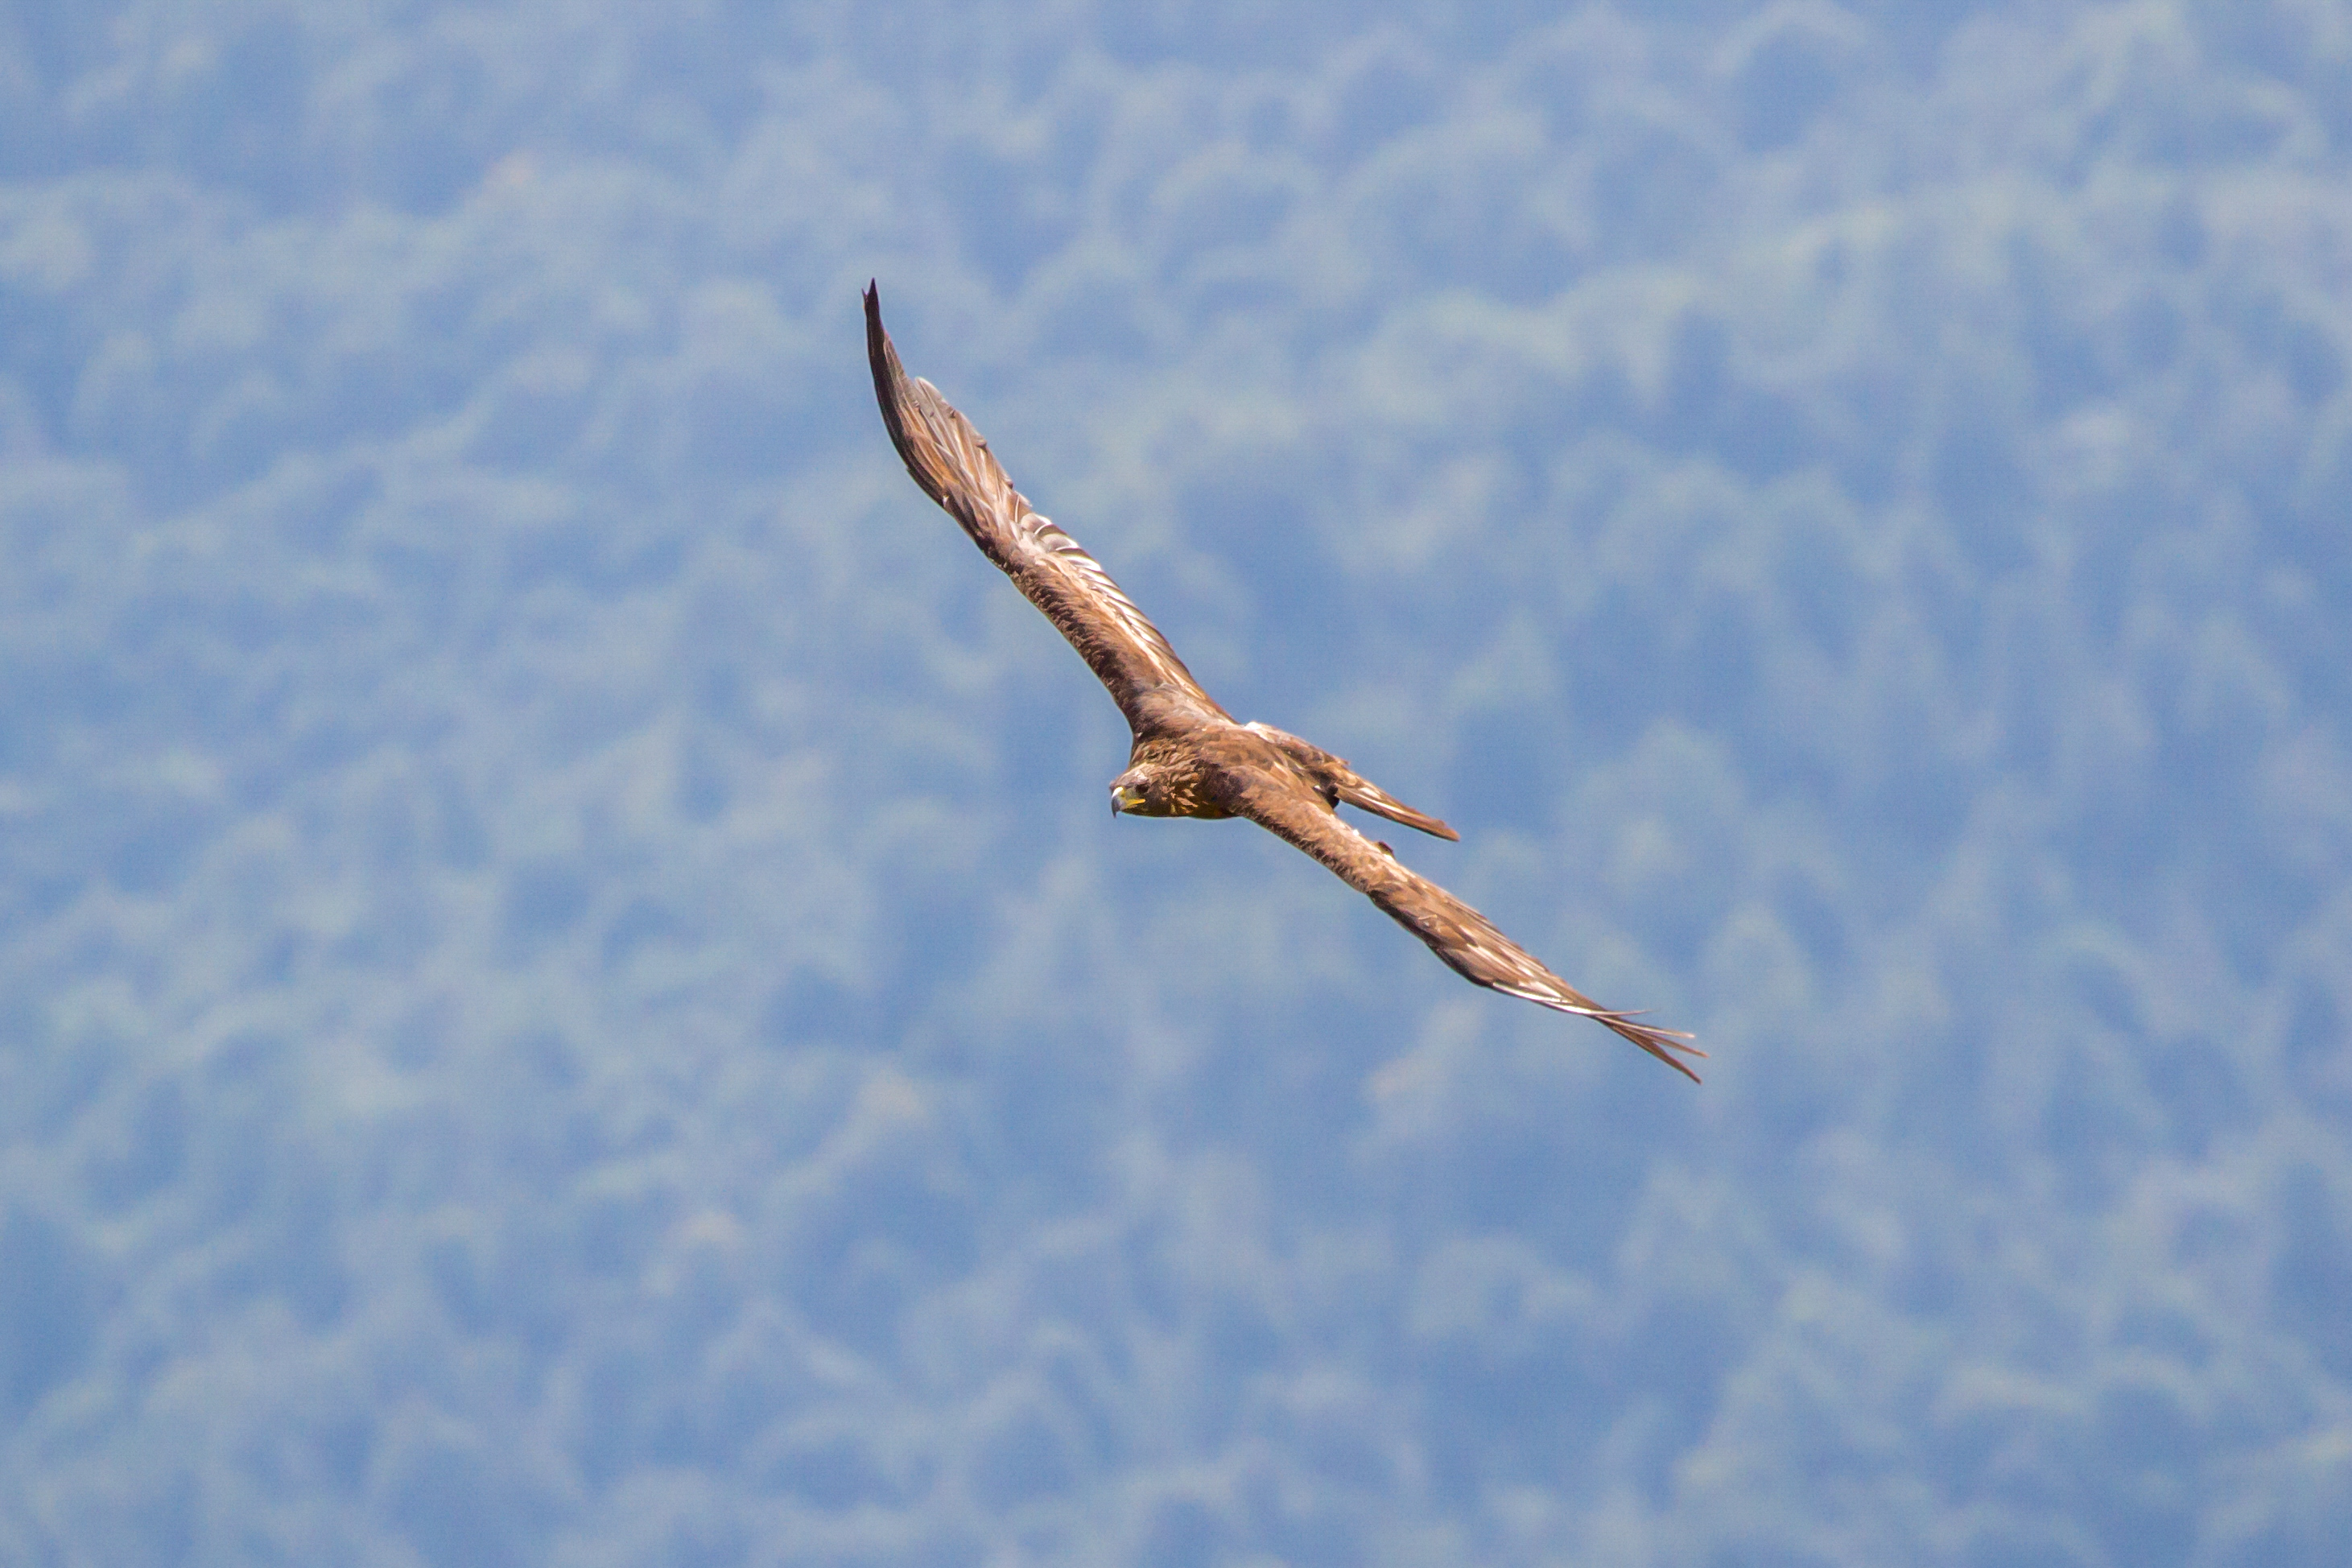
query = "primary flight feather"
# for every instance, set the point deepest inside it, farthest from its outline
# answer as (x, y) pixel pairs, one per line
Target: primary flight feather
(1191, 757)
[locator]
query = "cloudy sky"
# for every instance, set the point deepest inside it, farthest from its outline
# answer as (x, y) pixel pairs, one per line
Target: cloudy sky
(567, 991)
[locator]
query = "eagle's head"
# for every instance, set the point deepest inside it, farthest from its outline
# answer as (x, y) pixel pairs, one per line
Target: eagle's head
(1138, 791)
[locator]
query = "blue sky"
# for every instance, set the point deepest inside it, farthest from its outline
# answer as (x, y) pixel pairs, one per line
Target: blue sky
(566, 990)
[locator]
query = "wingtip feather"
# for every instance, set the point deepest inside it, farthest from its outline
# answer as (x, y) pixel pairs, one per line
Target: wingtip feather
(1659, 1043)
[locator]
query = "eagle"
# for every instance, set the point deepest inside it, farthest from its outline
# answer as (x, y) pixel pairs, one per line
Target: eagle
(1192, 758)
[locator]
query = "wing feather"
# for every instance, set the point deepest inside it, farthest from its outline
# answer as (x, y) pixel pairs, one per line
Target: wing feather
(953, 463)
(1467, 941)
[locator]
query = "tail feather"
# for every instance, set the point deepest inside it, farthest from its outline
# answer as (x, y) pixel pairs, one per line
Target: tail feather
(1363, 792)
(1343, 782)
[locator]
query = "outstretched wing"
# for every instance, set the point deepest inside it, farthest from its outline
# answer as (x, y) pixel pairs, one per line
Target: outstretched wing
(1464, 938)
(953, 463)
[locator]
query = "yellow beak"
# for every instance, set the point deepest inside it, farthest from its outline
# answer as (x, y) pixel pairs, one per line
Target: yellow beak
(1124, 797)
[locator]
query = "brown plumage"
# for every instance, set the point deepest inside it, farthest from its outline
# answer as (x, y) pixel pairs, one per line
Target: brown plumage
(1191, 757)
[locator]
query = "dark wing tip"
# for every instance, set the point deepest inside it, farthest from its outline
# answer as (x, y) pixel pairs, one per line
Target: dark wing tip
(1658, 1042)
(889, 381)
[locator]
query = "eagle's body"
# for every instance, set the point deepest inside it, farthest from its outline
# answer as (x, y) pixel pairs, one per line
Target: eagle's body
(1169, 775)
(1192, 758)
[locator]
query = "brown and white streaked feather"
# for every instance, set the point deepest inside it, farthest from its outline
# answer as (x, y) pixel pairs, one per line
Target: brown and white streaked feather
(951, 462)
(1467, 941)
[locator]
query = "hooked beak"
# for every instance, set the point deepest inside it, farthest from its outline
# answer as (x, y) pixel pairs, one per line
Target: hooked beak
(1124, 797)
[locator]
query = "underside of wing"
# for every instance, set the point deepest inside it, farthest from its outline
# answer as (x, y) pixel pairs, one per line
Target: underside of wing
(951, 462)
(1466, 939)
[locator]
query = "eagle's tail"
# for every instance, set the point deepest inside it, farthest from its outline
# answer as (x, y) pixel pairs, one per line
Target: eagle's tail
(1344, 782)
(1361, 792)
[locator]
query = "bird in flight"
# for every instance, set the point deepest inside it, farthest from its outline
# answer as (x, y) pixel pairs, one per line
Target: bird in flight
(1191, 757)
